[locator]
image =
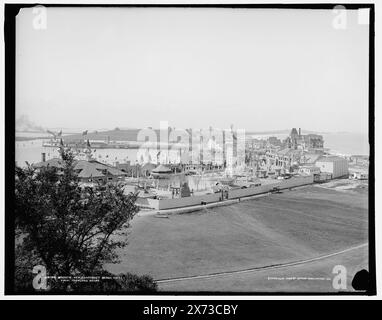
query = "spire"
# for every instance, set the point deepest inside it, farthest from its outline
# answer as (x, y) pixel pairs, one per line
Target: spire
(88, 150)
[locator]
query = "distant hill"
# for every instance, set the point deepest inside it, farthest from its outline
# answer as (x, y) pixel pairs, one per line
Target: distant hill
(131, 134)
(116, 134)
(284, 131)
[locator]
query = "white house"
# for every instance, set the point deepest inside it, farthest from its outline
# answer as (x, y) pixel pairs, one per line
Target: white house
(309, 170)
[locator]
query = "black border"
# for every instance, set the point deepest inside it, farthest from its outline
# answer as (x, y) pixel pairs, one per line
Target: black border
(10, 13)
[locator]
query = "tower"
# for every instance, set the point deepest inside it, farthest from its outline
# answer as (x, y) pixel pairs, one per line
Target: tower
(88, 151)
(293, 137)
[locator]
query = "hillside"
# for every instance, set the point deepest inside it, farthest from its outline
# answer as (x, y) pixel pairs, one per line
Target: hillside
(290, 226)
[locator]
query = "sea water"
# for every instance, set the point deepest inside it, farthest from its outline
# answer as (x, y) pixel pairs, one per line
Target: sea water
(347, 143)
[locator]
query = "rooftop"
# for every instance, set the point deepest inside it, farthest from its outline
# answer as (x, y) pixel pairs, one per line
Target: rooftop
(288, 151)
(162, 169)
(55, 163)
(330, 159)
(311, 157)
(85, 169)
(294, 132)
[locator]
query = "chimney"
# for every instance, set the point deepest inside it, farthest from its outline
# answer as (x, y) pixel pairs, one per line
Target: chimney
(43, 157)
(224, 155)
(299, 131)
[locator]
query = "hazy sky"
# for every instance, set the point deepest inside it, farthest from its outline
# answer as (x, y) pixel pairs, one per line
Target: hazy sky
(257, 69)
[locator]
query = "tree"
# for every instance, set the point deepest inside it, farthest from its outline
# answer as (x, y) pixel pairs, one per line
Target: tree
(69, 229)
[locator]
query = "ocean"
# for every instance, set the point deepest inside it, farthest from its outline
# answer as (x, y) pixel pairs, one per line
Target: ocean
(347, 143)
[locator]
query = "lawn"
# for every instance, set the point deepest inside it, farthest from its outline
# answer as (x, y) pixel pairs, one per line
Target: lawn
(289, 226)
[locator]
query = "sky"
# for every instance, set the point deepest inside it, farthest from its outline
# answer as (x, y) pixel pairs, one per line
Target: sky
(258, 69)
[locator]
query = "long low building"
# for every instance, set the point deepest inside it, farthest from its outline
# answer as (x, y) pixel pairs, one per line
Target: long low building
(158, 203)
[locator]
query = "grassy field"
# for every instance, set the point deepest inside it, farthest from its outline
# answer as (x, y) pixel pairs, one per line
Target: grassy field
(278, 228)
(315, 276)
